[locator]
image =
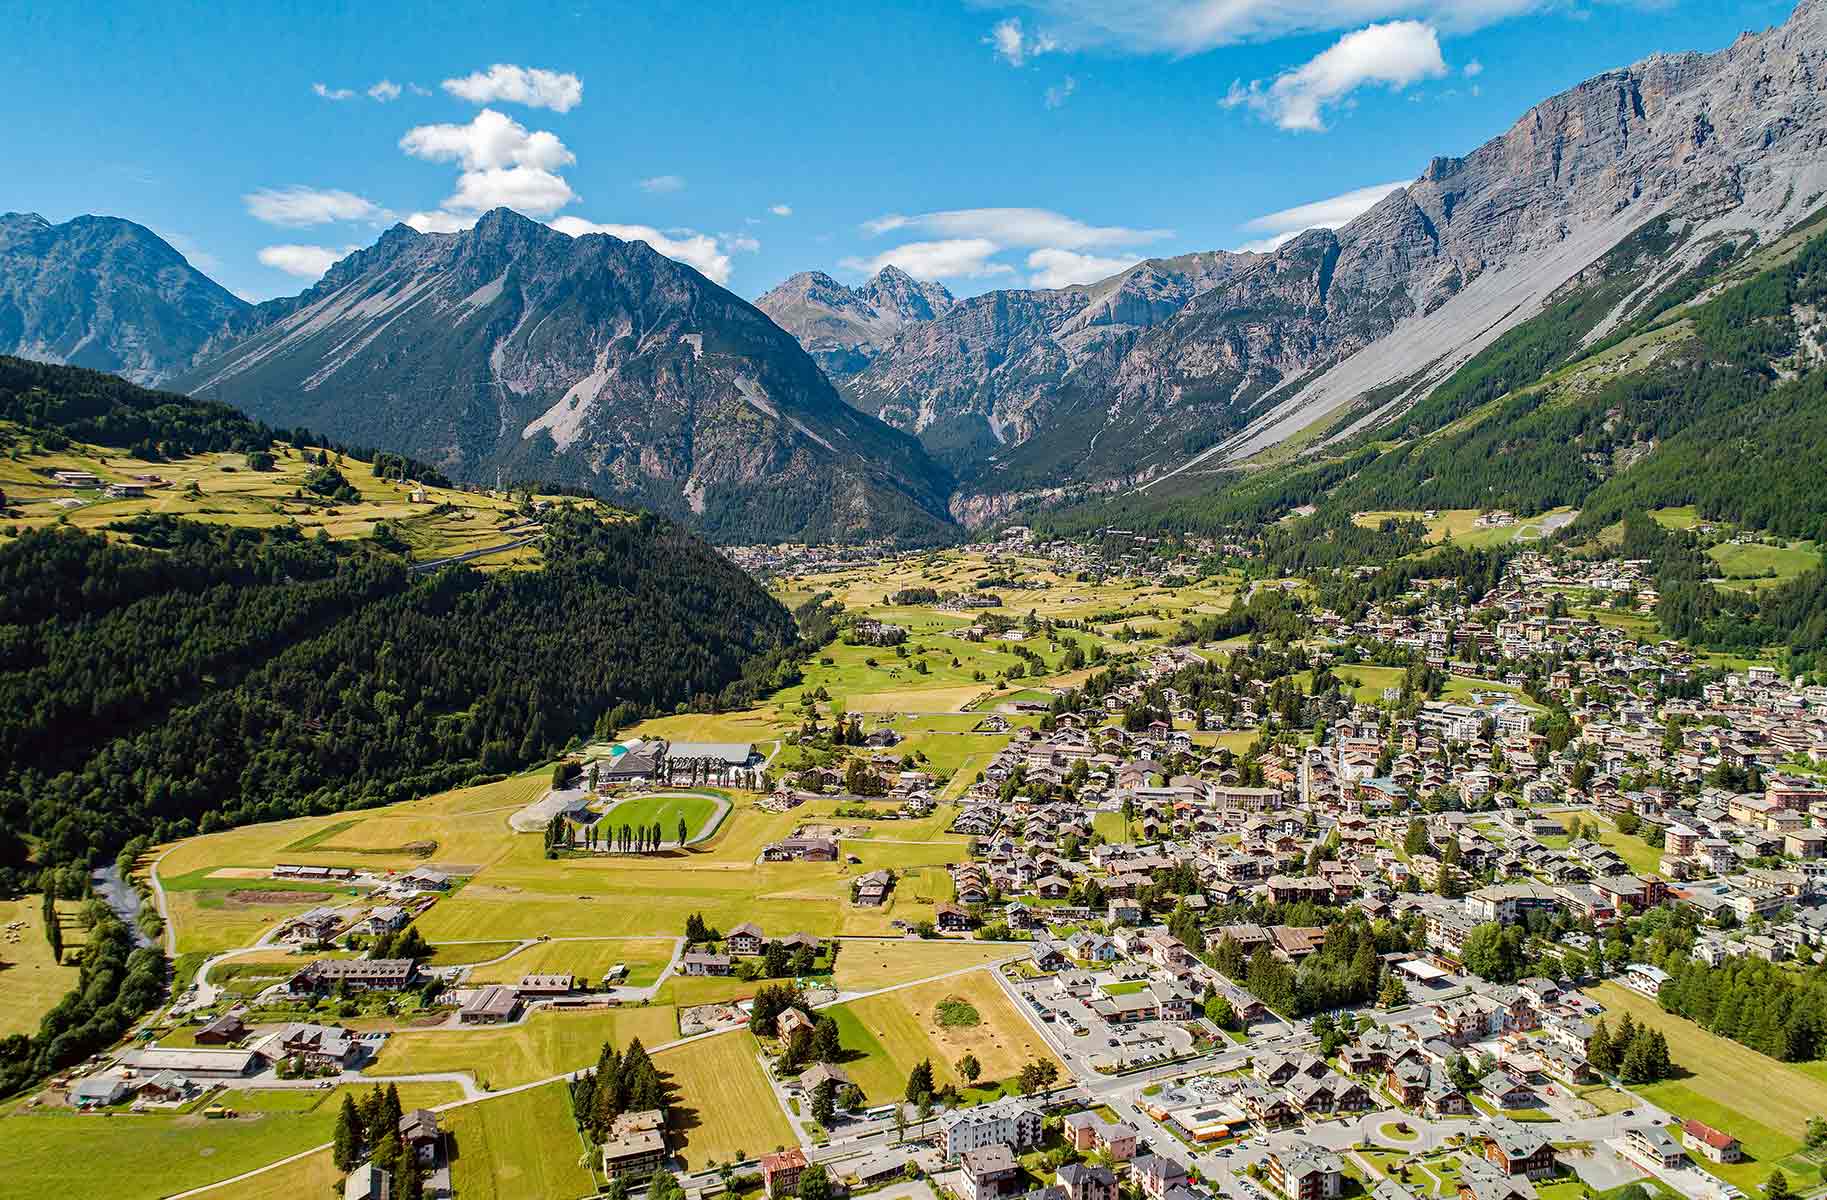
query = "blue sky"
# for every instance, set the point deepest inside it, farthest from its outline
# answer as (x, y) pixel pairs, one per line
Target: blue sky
(985, 144)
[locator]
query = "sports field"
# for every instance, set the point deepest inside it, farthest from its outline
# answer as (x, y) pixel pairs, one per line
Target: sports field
(1763, 1102)
(519, 1147)
(723, 1108)
(645, 811)
(893, 1031)
(544, 1044)
(30, 983)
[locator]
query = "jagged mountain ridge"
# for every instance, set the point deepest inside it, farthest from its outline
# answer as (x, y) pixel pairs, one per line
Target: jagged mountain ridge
(990, 371)
(513, 350)
(842, 327)
(105, 293)
(1360, 323)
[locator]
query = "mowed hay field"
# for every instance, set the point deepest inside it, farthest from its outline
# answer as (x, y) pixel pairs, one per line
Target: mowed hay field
(645, 957)
(519, 1147)
(523, 894)
(54, 1155)
(465, 827)
(30, 983)
(1763, 1102)
(863, 965)
(314, 1175)
(723, 1108)
(549, 1042)
(895, 1030)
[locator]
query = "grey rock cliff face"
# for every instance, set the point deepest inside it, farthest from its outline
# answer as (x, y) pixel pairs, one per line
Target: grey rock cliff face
(990, 372)
(107, 294)
(515, 351)
(1732, 140)
(844, 327)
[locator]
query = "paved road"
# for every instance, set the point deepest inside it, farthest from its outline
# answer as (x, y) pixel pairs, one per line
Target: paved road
(467, 555)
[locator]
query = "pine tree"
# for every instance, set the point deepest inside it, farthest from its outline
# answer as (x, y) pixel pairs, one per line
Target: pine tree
(1777, 1186)
(348, 1145)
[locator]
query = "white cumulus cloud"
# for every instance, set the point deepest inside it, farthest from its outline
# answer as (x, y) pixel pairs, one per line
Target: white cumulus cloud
(1055, 268)
(1062, 91)
(1394, 54)
(952, 258)
(694, 249)
(306, 262)
(1027, 227)
(741, 243)
(655, 184)
(1474, 69)
(330, 93)
(509, 84)
(1015, 46)
(1330, 213)
(1182, 27)
(782, 210)
(385, 91)
(441, 221)
(502, 164)
(296, 207)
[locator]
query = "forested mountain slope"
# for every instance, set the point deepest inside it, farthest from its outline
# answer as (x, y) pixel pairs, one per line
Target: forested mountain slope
(175, 675)
(1341, 330)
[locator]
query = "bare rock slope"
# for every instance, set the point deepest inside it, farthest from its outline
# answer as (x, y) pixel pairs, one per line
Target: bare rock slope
(512, 351)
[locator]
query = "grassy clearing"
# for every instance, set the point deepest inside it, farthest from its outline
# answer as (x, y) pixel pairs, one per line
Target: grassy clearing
(56, 1155)
(723, 1107)
(546, 1043)
(865, 965)
(895, 1030)
(1763, 1102)
(645, 957)
(30, 983)
(518, 1147)
(1758, 566)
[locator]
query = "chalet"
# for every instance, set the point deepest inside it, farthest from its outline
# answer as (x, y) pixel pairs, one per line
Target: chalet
(698, 962)
(746, 939)
(1717, 1145)
(1079, 1182)
(871, 890)
(801, 849)
(353, 973)
(224, 1030)
(1514, 1150)
(420, 1135)
(1651, 1145)
(950, 918)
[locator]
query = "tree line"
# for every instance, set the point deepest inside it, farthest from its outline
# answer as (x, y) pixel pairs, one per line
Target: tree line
(197, 677)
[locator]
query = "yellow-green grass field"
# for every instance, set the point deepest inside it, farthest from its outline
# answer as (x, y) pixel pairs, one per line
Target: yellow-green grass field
(1754, 565)
(1763, 1102)
(30, 983)
(464, 827)
(723, 1107)
(314, 1175)
(56, 1154)
(549, 1042)
(519, 1147)
(1461, 525)
(448, 521)
(645, 958)
(523, 894)
(453, 954)
(866, 964)
(895, 1030)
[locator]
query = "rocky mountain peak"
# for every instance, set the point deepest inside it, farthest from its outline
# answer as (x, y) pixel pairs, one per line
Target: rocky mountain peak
(105, 293)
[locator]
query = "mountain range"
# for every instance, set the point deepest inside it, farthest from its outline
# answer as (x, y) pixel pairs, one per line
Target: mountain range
(894, 409)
